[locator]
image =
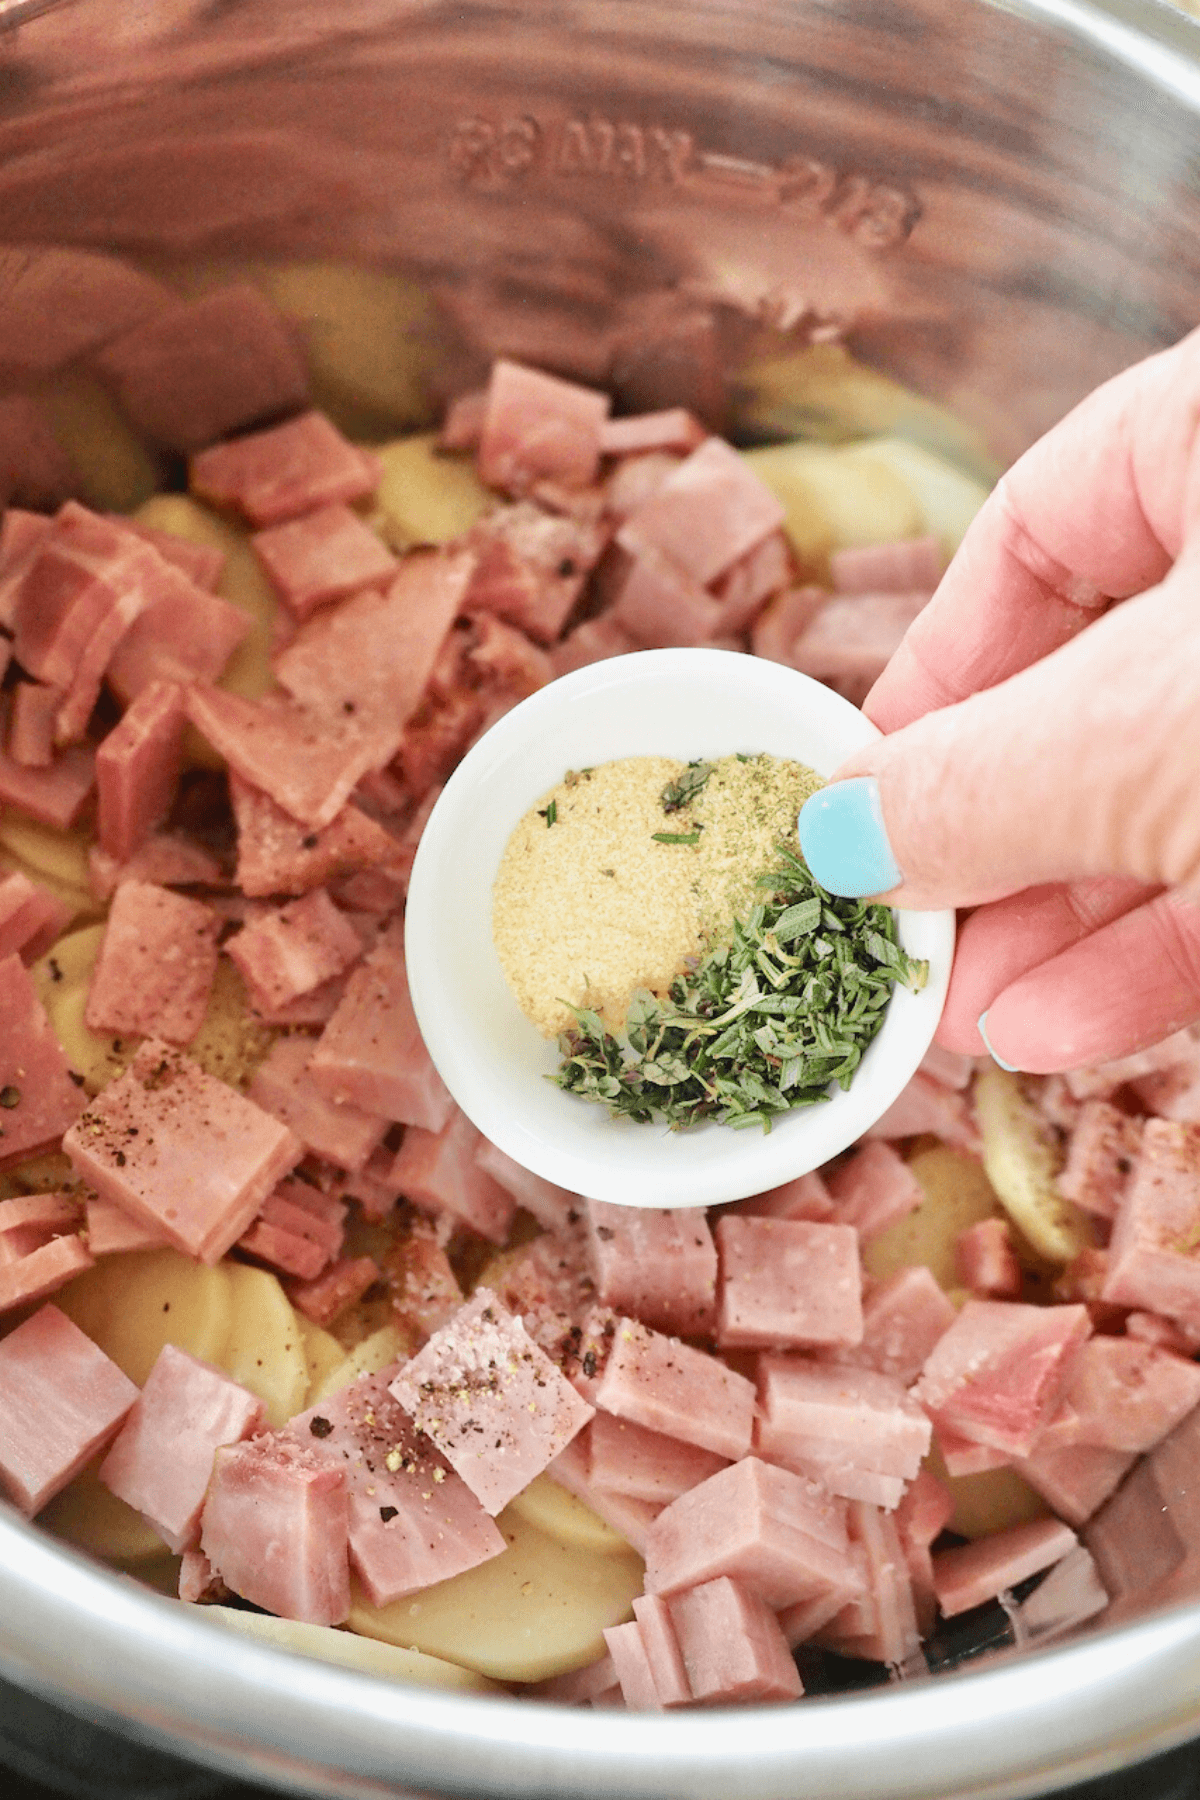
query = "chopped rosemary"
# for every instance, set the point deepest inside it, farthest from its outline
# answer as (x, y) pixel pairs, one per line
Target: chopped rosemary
(678, 794)
(549, 813)
(677, 837)
(764, 1024)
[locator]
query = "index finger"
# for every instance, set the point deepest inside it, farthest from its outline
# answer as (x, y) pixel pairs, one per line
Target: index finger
(1096, 510)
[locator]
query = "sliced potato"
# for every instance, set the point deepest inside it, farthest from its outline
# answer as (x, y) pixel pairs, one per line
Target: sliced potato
(835, 499)
(948, 499)
(534, 1611)
(957, 1194)
(133, 1303)
(116, 469)
(50, 1173)
(230, 1044)
(1022, 1157)
(426, 497)
(366, 1358)
(93, 1519)
(806, 523)
(991, 1501)
(62, 978)
(567, 1520)
(370, 1655)
(322, 1355)
(265, 1346)
(49, 855)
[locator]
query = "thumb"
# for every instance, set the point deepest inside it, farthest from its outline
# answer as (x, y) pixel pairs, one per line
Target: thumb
(1083, 764)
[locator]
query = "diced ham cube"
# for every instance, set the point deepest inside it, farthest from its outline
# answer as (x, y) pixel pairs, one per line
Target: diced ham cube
(674, 429)
(205, 367)
(203, 564)
(462, 425)
(505, 659)
(852, 639)
(490, 1400)
(287, 952)
(52, 796)
(29, 1221)
(41, 1271)
(578, 1687)
(1102, 1152)
(986, 1262)
(31, 723)
(81, 568)
(198, 1580)
(807, 1197)
(904, 566)
(31, 917)
(61, 1400)
(925, 1106)
(278, 855)
(181, 1151)
(553, 1207)
(781, 624)
(184, 634)
(782, 1536)
(532, 566)
(279, 474)
(1174, 1054)
(950, 1068)
(873, 1189)
(21, 537)
(594, 641)
(193, 1409)
(322, 556)
(745, 588)
(732, 1646)
(341, 1286)
(972, 1573)
(110, 1230)
(660, 605)
(903, 1318)
(413, 1521)
(424, 1287)
(842, 1426)
(537, 427)
(38, 1099)
(275, 1527)
(924, 1512)
(881, 1625)
(636, 478)
(306, 767)
(644, 1465)
(631, 1518)
(156, 964)
(299, 1230)
(137, 768)
(77, 704)
(1153, 1261)
(995, 1376)
(667, 1668)
(1124, 1395)
(1071, 1594)
(282, 1086)
(438, 1170)
(710, 512)
(788, 1282)
(660, 1266)
(1075, 1481)
(963, 1456)
(371, 1185)
(670, 1387)
(627, 1650)
(165, 858)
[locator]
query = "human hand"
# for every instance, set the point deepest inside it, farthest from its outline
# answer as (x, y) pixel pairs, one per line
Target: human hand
(1043, 765)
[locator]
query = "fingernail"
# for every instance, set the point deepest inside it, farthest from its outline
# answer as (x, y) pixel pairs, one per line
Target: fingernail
(995, 1055)
(844, 841)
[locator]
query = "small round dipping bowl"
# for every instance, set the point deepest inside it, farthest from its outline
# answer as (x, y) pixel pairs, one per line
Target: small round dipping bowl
(679, 703)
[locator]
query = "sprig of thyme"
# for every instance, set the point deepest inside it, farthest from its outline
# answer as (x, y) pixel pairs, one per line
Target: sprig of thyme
(678, 794)
(767, 1023)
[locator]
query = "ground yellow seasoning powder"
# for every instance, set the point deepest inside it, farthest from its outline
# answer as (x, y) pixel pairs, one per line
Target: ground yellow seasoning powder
(602, 890)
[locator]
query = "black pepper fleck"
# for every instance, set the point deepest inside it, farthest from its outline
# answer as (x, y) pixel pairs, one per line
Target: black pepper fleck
(320, 1427)
(10, 1096)
(387, 1513)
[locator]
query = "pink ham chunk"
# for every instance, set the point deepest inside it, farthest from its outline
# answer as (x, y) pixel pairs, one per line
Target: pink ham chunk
(52, 796)
(537, 427)
(368, 660)
(903, 1318)
(1122, 1395)
(1075, 1481)
(462, 424)
(986, 1262)
(879, 1624)
(340, 1133)
(285, 953)
(39, 1247)
(995, 1376)
(631, 1518)
(780, 625)
(668, 1670)
(853, 638)
(194, 1409)
(82, 568)
(184, 634)
(424, 1287)
(322, 556)
(925, 1106)
(38, 1099)
(532, 566)
(873, 1189)
(275, 475)
(77, 704)
(165, 858)
(630, 1660)
(855, 1430)
(31, 724)
(341, 1286)
(660, 605)
(732, 1647)
(904, 566)
(110, 1230)
(1102, 1153)
(437, 1170)
(594, 641)
(137, 768)
(749, 583)
(491, 1402)
(307, 768)
(659, 1266)
(205, 367)
(31, 917)
(710, 512)
(788, 1282)
(782, 1536)
(972, 1573)
(299, 1230)
(181, 1151)
(807, 1197)
(675, 429)
(61, 1400)
(668, 1386)
(553, 1207)
(644, 1465)
(922, 1515)
(203, 564)
(21, 536)
(413, 1521)
(278, 855)
(275, 1527)
(1153, 1260)
(155, 969)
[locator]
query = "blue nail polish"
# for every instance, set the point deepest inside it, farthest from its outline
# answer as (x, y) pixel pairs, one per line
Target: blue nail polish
(995, 1056)
(844, 840)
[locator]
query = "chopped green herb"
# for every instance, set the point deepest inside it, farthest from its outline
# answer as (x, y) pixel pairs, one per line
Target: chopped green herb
(549, 813)
(678, 794)
(677, 837)
(763, 1024)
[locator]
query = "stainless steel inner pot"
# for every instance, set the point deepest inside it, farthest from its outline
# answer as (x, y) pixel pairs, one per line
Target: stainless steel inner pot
(994, 202)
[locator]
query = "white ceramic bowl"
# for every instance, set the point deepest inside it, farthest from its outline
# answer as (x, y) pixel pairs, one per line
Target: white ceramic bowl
(681, 703)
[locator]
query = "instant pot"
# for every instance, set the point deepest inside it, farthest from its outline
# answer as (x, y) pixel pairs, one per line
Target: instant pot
(993, 204)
